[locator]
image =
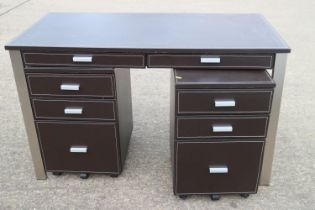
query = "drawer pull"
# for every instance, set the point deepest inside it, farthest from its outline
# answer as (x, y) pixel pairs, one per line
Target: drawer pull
(78, 149)
(210, 60)
(68, 86)
(73, 110)
(222, 128)
(218, 169)
(82, 59)
(224, 103)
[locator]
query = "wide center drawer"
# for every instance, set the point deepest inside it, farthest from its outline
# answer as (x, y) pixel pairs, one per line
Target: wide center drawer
(217, 167)
(74, 59)
(223, 101)
(211, 61)
(71, 85)
(221, 126)
(74, 109)
(82, 147)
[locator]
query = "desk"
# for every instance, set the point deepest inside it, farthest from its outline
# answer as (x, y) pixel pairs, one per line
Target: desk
(106, 46)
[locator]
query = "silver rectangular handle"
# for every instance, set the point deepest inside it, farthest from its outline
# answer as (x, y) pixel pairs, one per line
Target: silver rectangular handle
(78, 149)
(224, 103)
(222, 128)
(73, 110)
(218, 169)
(82, 59)
(70, 86)
(210, 60)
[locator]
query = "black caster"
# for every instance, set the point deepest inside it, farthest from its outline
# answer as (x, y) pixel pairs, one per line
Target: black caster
(57, 173)
(84, 175)
(244, 195)
(215, 197)
(114, 175)
(183, 197)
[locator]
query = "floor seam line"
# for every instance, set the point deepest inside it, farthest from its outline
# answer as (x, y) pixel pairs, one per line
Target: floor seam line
(13, 8)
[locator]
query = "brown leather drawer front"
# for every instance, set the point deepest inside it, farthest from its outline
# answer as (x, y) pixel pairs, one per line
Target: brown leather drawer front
(239, 163)
(80, 85)
(73, 59)
(211, 61)
(57, 138)
(74, 109)
(221, 126)
(223, 101)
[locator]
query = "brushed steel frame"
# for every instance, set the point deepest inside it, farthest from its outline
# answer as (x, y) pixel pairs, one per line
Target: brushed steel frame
(278, 74)
(25, 103)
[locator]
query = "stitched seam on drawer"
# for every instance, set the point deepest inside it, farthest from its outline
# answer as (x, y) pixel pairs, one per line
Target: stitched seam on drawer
(70, 122)
(78, 118)
(259, 169)
(78, 76)
(222, 117)
(83, 64)
(235, 91)
(216, 66)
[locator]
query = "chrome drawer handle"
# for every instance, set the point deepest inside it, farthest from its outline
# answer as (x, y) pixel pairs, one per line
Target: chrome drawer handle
(222, 128)
(224, 103)
(82, 58)
(70, 86)
(73, 110)
(78, 149)
(218, 169)
(210, 60)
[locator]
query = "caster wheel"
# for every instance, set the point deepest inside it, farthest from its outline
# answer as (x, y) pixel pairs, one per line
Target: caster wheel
(215, 197)
(57, 173)
(244, 195)
(183, 197)
(84, 175)
(114, 175)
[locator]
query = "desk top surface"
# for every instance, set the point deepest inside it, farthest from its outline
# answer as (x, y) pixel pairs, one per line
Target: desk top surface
(155, 32)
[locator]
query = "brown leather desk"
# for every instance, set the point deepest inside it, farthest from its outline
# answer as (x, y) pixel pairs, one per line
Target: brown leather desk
(96, 50)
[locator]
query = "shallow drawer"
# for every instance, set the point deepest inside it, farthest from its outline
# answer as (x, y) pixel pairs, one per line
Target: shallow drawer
(73, 59)
(223, 101)
(74, 109)
(217, 167)
(221, 126)
(82, 147)
(211, 61)
(71, 85)
(223, 79)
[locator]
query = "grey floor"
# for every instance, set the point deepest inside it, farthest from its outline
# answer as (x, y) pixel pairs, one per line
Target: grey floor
(146, 180)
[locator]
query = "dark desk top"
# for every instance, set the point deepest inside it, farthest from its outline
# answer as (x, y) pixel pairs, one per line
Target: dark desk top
(143, 32)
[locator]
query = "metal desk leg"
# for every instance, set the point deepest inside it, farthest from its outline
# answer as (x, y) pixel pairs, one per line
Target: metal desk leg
(278, 76)
(25, 103)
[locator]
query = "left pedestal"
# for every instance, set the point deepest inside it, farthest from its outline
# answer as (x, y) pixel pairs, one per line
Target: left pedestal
(78, 117)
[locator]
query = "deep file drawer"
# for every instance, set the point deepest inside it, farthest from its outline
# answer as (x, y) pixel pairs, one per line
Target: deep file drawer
(211, 61)
(71, 85)
(75, 59)
(81, 147)
(70, 109)
(223, 101)
(198, 127)
(217, 167)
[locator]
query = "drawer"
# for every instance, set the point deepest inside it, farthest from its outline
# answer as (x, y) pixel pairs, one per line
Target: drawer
(217, 167)
(74, 109)
(81, 147)
(223, 101)
(221, 126)
(211, 61)
(71, 85)
(73, 59)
